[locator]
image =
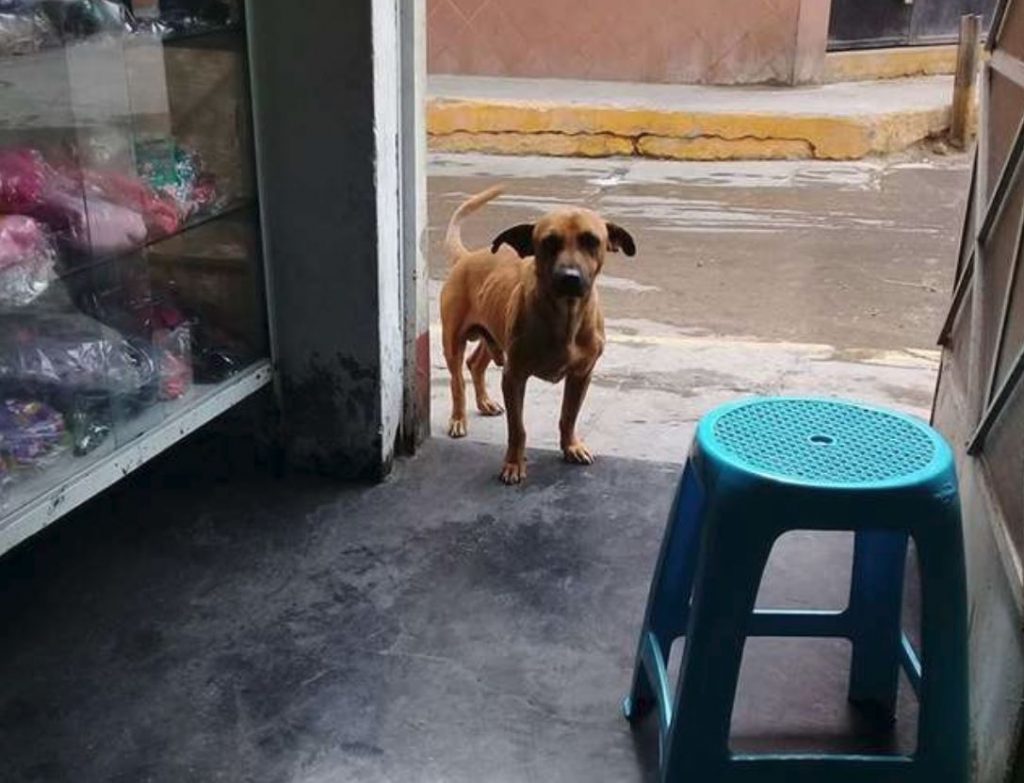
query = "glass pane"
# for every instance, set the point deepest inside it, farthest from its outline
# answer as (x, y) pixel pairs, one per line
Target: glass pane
(112, 283)
(994, 272)
(55, 414)
(1005, 102)
(210, 274)
(1004, 459)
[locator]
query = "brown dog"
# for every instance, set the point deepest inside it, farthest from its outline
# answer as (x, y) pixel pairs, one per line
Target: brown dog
(531, 301)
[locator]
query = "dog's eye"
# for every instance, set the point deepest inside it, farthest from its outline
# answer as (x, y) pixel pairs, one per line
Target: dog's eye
(551, 244)
(588, 242)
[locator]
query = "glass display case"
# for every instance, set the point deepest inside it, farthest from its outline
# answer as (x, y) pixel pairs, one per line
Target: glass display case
(131, 289)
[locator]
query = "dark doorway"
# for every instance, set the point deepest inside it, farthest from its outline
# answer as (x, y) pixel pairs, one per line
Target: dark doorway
(865, 24)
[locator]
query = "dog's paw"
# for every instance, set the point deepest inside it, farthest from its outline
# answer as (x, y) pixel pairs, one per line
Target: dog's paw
(578, 454)
(489, 407)
(457, 428)
(513, 473)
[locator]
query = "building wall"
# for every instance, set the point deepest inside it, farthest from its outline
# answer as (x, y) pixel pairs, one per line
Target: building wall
(670, 41)
(995, 644)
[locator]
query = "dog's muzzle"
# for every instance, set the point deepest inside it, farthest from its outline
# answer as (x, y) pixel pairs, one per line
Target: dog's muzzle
(570, 282)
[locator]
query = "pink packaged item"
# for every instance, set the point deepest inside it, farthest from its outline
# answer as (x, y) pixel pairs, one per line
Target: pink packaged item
(174, 361)
(112, 229)
(27, 259)
(87, 222)
(159, 211)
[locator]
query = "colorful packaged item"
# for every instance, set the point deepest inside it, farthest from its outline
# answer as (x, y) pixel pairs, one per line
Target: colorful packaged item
(179, 173)
(27, 260)
(174, 357)
(32, 434)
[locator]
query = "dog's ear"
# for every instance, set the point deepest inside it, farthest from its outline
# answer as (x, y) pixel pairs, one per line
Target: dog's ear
(620, 239)
(519, 238)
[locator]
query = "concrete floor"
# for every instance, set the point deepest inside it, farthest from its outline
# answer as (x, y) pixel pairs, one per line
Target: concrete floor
(202, 624)
(192, 626)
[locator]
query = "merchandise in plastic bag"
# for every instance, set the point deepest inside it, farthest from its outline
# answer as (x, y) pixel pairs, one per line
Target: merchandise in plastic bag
(25, 28)
(159, 212)
(216, 355)
(139, 313)
(27, 259)
(179, 173)
(29, 185)
(190, 14)
(77, 365)
(78, 19)
(174, 359)
(6, 479)
(32, 435)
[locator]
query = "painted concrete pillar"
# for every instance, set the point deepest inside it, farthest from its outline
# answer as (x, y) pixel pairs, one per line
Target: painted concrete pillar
(327, 79)
(811, 41)
(416, 414)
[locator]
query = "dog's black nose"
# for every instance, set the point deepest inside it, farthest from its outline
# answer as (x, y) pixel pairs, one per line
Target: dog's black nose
(569, 281)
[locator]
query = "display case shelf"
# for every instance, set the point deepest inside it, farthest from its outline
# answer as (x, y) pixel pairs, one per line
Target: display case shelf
(35, 503)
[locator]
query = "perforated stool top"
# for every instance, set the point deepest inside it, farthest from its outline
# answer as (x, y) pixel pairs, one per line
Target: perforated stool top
(823, 442)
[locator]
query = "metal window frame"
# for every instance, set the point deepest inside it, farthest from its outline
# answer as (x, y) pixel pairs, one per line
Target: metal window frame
(963, 277)
(998, 21)
(995, 395)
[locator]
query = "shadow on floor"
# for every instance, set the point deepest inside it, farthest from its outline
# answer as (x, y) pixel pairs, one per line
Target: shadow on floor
(191, 626)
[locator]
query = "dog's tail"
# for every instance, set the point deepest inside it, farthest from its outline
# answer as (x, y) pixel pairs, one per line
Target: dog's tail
(453, 239)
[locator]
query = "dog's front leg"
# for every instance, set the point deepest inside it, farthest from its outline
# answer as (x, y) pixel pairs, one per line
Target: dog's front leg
(574, 449)
(513, 387)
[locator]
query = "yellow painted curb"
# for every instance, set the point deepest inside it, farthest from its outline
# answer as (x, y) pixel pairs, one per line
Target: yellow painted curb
(895, 63)
(539, 128)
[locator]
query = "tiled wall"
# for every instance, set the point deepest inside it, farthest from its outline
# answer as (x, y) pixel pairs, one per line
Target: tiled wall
(677, 41)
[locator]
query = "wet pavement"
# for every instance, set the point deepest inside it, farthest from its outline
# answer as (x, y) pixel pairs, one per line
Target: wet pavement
(796, 277)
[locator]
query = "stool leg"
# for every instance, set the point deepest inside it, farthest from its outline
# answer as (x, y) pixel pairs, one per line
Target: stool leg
(876, 602)
(668, 602)
(943, 725)
(732, 564)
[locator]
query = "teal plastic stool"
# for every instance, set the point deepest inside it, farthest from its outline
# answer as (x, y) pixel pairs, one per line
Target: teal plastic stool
(758, 469)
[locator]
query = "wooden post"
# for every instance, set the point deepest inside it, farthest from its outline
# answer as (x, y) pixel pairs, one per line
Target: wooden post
(963, 85)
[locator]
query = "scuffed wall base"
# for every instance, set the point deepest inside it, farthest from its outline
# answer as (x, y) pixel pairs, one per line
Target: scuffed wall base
(995, 637)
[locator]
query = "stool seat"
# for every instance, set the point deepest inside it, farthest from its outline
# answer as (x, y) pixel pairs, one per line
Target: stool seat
(822, 442)
(758, 469)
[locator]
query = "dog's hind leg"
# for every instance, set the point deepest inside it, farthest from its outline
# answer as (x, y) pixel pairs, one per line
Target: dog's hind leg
(478, 362)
